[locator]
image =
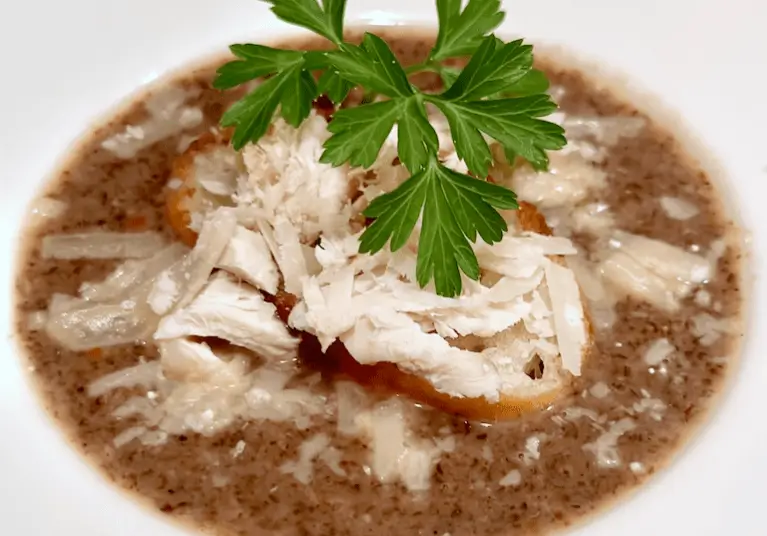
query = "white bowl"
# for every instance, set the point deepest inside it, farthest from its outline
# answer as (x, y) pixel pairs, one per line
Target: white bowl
(66, 63)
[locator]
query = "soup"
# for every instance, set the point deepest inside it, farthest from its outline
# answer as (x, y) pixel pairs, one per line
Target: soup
(309, 446)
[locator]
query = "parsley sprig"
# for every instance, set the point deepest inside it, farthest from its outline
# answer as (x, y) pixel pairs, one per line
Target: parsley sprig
(497, 95)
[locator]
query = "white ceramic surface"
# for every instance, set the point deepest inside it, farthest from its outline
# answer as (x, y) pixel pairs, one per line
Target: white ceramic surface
(65, 63)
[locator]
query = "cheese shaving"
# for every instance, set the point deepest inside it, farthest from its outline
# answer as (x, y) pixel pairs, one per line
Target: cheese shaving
(234, 312)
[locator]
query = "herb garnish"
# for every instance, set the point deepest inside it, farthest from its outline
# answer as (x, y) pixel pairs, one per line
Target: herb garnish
(497, 94)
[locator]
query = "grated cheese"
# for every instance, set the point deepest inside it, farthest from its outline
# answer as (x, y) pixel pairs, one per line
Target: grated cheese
(168, 116)
(302, 469)
(101, 245)
(599, 390)
(658, 351)
(605, 447)
(247, 256)
(512, 478)
(678, 209)
(709, 329)
(46, 208)
(236, 313)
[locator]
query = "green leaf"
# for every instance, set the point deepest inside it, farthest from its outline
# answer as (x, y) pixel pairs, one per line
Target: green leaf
(456, 208)
(533, 83)
(308, 14)
(512, 122)
(396, 214)
(298, 93)
(335, 11)
(492, 69)
(460, 32)
(371, 65)
(251, 115)
(359, 133)
(254, 62)
(449, 75)
(443, 251)
(335, 87)
(470, 146)
(417, 142)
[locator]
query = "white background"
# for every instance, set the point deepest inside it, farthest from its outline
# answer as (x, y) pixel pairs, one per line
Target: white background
(64, 63)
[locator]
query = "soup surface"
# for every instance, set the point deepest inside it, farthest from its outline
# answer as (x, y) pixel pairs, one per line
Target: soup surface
(643, 388)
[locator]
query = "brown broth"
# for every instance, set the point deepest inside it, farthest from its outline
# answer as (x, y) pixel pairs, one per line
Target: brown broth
(196, 479)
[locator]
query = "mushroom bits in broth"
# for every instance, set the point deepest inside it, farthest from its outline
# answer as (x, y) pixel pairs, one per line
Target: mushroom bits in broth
(374, 284)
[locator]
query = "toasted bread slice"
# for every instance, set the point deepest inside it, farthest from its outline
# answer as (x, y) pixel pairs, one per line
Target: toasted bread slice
(181, 198)
(389, 378)
(385, 377)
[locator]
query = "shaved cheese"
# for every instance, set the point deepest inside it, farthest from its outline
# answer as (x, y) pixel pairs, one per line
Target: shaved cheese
(351, 401)
(654, 407)
(101, 245)
(62, 302)
(664, 259)
(335, 252)
(217, 170)
(167, 117)
(247, 256)
(658, 351)
(601, 300)
(512, 478)
(331, 456)
(100, 325)
(139, 406)
(290, 256)
(115, 311)
(709, 329)
(146, 375)
(532, 449)
(187, 361)
(396, 454)
(128, 435)
(451, 370)
(568, 181)
(678, 209)
(154, 438)
(188, 276)
(164, 294)
(654, 271)
(637, 281)
(605, 447)
(132, 274)
(703, 298)
(303, 469)
(37, 320)
(206, 394)
(270, 399)
(574, 413)
(46, 208)
(208, 405)
(568, 316)
(599, 390)
(594, 218)
(238, 449)
(234, 312)
(329, 308)
(605, 130)
(288, 181)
